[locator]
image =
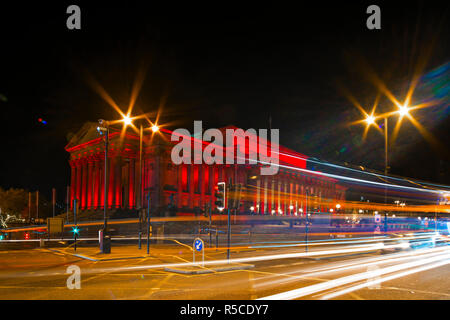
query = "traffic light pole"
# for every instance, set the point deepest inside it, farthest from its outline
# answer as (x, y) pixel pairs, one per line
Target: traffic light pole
(75, 223)
(210, 235)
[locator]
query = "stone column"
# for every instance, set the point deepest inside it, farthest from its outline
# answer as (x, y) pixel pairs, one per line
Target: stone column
(191, 186)
(180, 185)
(96, 185)
(118, 183)
(266, 205)
(131, 183)
(89, 181)
(111, 183)
(78, 183)
(201, 181)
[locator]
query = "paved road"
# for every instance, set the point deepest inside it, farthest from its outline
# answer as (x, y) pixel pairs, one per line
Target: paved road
(41, 274)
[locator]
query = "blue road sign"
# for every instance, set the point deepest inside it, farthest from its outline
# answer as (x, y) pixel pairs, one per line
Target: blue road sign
(198, 245)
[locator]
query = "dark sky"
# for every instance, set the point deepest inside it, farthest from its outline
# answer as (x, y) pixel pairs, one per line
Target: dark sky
(224, 63)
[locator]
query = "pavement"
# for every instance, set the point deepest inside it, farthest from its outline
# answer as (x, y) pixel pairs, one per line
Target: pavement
(158, 252)
(167, 273)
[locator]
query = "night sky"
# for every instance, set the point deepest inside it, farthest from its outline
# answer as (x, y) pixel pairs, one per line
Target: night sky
(223, 63)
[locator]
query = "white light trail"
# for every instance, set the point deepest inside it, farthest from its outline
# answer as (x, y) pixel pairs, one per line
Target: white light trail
(341, 267)
(383, 279)
(305, 291)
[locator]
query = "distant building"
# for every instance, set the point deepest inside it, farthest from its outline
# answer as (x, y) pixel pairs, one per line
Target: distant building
(185, 188)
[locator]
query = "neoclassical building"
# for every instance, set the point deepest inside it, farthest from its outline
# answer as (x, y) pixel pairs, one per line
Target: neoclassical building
(186, 188)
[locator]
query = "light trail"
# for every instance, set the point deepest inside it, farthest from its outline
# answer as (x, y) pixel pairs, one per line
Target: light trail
(387, 278)
(369, 248)
(309, 290)
(360, 171)
(339, 177)
(345, 241)
(341, 267)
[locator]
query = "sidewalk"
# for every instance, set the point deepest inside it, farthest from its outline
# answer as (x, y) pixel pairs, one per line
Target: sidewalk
(123, 252)
(160, 252)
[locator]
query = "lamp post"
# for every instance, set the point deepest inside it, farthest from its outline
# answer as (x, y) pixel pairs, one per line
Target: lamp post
(370, 119)
(139, 204)
(103, 129)
(306, 221)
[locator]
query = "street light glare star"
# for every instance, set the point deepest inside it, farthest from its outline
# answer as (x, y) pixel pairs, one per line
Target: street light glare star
(155, 128)
(403, 110)
(127, 120)
(370, 120)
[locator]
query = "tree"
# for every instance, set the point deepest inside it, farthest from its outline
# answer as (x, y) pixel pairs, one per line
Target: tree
(13, 201)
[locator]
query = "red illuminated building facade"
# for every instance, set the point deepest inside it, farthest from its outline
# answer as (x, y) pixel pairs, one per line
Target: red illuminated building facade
(185, 188)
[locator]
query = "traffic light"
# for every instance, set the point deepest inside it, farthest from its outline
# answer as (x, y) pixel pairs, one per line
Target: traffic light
(220, 195)
(75, 230)
(27, 236)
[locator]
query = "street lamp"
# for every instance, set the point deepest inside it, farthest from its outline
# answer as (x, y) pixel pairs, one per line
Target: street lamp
(127, 120)
(370, 119)
(103, 129)
(154, 128)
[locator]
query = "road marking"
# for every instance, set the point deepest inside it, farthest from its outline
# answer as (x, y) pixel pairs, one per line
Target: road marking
(418, 291)
(160, 284)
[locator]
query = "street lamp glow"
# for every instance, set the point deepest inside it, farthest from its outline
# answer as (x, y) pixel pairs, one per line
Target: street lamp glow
(403, 110)
(155, 128)
(370, 120)
(127, 120)
(338, 206)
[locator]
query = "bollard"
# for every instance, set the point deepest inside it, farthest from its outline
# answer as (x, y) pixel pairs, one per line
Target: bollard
(217, 239)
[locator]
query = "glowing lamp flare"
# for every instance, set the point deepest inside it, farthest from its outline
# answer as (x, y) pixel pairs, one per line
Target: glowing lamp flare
(403, 110)
(127, 120)
(155, 128)
(370, 120)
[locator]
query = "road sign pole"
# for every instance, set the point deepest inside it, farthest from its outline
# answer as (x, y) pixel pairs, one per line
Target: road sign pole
(75, 223)
(306, 232)
(198, 245)
(306, 222)
(217, 239)
(228, 236)
(148, 223)
(140, 227)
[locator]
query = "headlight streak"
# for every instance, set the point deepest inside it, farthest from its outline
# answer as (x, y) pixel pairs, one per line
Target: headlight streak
(369, 248)
(299, 275)
(351, 169)
(387, 278)
(339, 177)
(337, 243)
(305, 291)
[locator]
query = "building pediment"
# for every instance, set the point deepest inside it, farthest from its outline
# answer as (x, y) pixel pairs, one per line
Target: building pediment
(88, 134)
